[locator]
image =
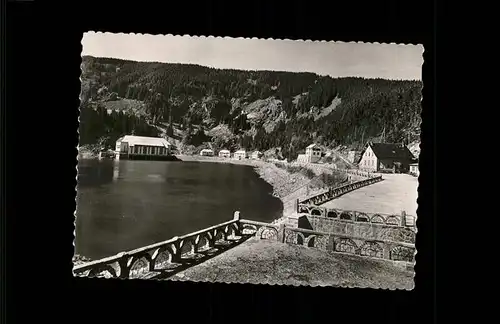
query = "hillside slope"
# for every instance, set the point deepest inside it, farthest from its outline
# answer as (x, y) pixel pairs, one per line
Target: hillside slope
(254, 109)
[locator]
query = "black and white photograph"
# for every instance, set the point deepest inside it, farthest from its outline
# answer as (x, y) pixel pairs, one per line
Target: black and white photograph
(246, 160)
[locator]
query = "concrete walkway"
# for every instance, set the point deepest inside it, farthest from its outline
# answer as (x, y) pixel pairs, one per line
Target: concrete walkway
(270, 262)
(395, 193)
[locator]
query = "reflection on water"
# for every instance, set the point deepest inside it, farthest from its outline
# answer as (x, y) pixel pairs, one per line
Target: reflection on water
(122, 205)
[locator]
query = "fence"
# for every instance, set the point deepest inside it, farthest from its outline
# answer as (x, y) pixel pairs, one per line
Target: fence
(356, 216)
(333, 193)
(177, 252)
(332, 242)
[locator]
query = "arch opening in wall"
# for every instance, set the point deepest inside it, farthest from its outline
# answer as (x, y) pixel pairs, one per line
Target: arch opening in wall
(372, 249)
(402, 253)
(219, 236)
(186, 246)
(310, 241)
(377, 219)
(316, 212)
(162, 260)
(248, 229)
(202, 243)
(345, 245)
(346, 216)
(139, 267)
(362, 218)
(267, 233)
(392, 220)
(332, 214)
(106, 271)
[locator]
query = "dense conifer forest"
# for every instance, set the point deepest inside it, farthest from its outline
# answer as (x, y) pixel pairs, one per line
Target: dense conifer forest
(243, 109)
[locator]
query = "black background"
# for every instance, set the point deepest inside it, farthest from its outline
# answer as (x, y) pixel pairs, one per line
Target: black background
(40, 110)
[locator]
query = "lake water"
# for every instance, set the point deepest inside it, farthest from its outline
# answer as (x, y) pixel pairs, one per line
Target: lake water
(123, 205)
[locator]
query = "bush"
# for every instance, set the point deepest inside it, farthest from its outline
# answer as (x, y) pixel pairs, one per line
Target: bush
(331, 180)
(308, 173)
(296, 169)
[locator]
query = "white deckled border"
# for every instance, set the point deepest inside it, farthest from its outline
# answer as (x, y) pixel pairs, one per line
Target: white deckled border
(76, 166)
(263, 282)
(257, 38)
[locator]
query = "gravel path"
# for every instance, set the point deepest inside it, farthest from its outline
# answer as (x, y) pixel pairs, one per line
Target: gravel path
(397, 192)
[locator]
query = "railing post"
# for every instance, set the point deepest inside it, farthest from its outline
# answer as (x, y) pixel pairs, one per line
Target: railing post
(176, 256)
(124, 266)
(386, 252)
(331, 243)
(236, 217)
(281, 233)
(403, 218)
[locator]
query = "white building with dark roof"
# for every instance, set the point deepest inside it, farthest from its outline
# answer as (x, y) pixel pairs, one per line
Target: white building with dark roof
(224, 154)
(386, 157)
(240, 155)
(207, 152)
(131, 147)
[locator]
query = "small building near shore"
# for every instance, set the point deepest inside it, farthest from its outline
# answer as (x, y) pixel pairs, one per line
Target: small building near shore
(257, 155)
(414, 170)
(386, 157)
(141, 147)
(313, 154)
(241, 155)
(207, 152)
(224, 154)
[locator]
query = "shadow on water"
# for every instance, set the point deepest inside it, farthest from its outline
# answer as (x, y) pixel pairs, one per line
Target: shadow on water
(123, 205)
(94, 172)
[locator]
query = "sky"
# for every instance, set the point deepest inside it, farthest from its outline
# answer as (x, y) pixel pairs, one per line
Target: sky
(337, 59)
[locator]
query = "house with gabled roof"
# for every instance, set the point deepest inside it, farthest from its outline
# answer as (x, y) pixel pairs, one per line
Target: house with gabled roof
(313, 154)
(386, 157)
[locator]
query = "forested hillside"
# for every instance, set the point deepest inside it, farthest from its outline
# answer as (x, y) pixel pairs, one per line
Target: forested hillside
(250, 109)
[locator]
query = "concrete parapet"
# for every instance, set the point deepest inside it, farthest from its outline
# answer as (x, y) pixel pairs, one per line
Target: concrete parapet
(178, 251)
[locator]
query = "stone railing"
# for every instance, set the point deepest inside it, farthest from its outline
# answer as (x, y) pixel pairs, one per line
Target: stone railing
(261, 230)
(161, 256)
(180, 252)
(356, 216)
(383, 249)
(333, 193)
(331, 242)
(358, 229)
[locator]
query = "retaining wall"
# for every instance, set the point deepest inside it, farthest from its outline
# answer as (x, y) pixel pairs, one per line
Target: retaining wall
(356, 229)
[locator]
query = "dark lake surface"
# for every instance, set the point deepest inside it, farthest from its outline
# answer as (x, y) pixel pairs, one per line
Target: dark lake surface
(123, 205)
